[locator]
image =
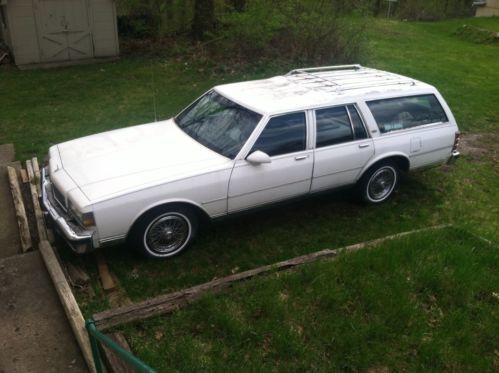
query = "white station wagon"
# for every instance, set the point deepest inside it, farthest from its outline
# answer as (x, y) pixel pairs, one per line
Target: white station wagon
(241, 146)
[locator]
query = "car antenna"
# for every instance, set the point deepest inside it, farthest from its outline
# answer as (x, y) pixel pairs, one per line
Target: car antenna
(154, 94)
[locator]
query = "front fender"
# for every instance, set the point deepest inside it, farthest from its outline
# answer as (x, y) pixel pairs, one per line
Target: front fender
(166, 201)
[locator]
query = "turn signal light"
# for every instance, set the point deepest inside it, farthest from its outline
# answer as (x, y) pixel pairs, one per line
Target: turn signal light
(87, 219)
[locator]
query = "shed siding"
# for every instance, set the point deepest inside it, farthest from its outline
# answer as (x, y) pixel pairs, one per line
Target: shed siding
(104, 28)
(23, 36)
(489, 10)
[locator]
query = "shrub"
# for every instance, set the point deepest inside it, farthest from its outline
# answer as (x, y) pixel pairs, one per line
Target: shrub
(298, 31)
(477, 35)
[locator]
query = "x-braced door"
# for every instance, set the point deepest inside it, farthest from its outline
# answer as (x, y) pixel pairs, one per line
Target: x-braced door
(64, 31)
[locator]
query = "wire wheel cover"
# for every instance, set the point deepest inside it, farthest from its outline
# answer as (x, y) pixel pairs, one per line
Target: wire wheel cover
(167, 234)
(381, 183)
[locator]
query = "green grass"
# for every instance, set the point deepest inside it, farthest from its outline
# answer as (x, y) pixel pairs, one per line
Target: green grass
(45, 107)
(42, 107)
(465, 73)
(430, 198)
(467, 194)
(427, 302)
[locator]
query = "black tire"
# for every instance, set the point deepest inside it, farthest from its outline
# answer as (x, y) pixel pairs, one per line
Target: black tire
(164, 231)
(379, 182)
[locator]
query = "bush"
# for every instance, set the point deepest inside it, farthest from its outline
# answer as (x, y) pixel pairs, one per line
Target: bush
(296, 31)
(477, 35)
(137, 26)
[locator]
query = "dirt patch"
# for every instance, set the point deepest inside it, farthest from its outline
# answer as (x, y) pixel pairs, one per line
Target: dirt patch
(479, 145)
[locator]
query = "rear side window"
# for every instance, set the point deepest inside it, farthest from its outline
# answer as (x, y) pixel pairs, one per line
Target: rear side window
(283, 134)
(337, 125)
(406, 112)
(333, 126)
(358, 126)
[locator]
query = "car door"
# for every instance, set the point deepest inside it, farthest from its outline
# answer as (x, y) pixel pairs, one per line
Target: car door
(342, 148)
(289, 173)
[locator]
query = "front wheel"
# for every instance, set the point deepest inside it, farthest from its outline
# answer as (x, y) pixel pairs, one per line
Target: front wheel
(164, 232)
(378, 182)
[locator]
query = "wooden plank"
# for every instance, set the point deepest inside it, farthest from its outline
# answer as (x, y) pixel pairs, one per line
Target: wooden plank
(68, 301)
(36, 168)
(29, 168)
(22, 219)
(104, 272)
(36, 171)
(50, 234)
(78, 277)
(113, 362)
(168, 303)
(24, 176)
(40, 223)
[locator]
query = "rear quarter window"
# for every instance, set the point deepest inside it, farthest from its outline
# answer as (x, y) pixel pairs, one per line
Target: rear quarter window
(400, 113)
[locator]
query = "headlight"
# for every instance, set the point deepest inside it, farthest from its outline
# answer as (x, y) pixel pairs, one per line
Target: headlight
(86, 219)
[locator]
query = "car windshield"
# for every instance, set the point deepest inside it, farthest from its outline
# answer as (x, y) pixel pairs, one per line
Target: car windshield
(218, 123)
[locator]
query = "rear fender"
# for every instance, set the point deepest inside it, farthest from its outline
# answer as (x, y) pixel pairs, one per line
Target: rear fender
(382, 157)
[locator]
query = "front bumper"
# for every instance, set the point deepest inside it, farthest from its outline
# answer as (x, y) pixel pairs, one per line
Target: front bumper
(79, 239)
(454, 157)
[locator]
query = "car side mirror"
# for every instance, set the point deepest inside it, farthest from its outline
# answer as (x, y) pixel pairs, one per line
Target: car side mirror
(258, 157)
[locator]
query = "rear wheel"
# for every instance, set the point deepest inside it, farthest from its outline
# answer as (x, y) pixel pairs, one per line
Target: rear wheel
(164, 231)
(378, 182)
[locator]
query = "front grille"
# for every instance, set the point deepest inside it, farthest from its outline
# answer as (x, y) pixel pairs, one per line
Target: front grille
(59, 197)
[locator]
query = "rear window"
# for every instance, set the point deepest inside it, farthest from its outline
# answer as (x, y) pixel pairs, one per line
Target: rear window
(406, 112)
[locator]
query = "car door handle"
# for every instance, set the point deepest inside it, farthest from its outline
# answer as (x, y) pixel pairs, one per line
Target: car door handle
(301, 157)
(363, 145)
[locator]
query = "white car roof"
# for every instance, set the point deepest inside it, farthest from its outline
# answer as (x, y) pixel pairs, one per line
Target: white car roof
(314, 87)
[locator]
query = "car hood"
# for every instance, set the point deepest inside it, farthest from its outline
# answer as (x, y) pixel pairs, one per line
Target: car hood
(125, 160)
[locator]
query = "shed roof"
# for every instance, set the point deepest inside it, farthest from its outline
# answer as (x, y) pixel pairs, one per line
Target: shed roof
(305, 88)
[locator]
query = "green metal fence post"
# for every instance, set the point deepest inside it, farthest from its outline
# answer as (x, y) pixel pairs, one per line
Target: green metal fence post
(96, 336)
(90, 325)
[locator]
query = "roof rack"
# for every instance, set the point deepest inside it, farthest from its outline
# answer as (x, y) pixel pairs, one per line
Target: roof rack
(325, 68)
(337, 79)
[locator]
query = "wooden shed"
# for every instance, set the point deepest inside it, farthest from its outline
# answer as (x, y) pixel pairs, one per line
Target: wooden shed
(59, 32)
(486, 8)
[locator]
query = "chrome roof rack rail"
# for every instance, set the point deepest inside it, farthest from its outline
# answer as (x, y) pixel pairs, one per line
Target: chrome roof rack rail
(386, 83)
(345, 78)
(325, 68)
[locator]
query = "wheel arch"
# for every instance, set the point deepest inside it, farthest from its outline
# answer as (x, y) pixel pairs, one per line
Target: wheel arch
(198, 209)
(401, 159)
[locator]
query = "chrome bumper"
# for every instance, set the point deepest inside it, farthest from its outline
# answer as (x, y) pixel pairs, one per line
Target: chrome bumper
(80, 240)
(454, 156)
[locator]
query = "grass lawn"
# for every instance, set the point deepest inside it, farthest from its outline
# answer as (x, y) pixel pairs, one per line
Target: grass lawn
(39, 108)
(466, 194)
(428, 302)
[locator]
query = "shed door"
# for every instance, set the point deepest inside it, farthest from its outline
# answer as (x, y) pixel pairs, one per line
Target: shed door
(63, 30)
